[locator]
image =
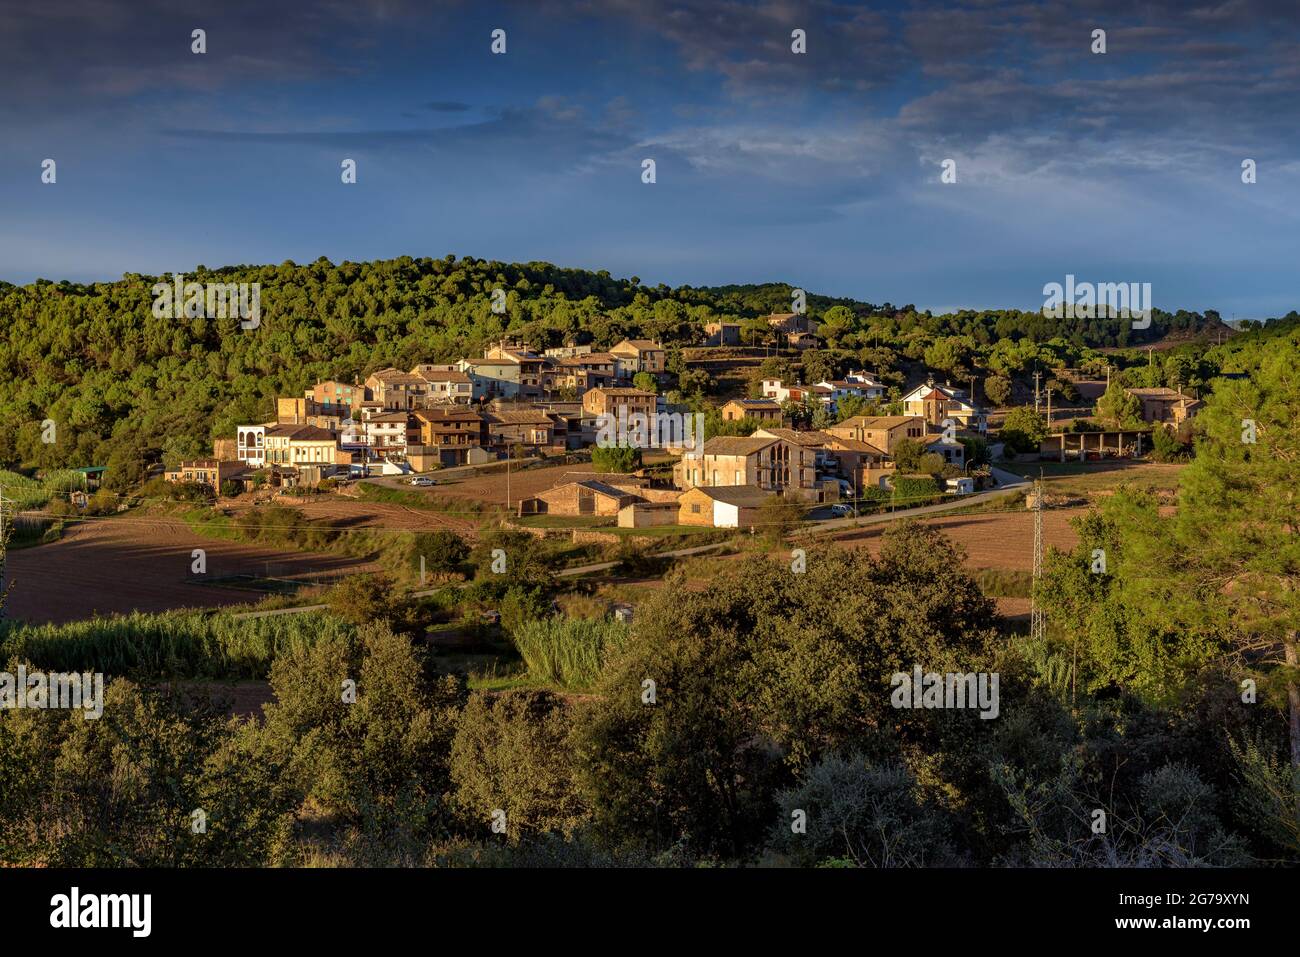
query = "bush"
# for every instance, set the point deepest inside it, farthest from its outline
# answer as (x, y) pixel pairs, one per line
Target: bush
(1165, 446)
(869, 816)
(615, 458)
(444, 552)
(512, 752)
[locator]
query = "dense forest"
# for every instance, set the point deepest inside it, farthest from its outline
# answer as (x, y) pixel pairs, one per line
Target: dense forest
(122, 386)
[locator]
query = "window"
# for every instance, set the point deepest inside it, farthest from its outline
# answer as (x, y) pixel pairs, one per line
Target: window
(695, 509)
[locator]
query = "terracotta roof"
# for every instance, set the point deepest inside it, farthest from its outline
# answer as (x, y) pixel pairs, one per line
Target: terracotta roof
(521, 418)
(446, 413)
(605, 390)
(757, 403)
(877, 421)
(1161, 393)
(855, 445)
(810, 439)
(395, 377)
(600, 488)
(735, 445)
(746, 496)
(301, 433)
(446, 377)
(640, 345)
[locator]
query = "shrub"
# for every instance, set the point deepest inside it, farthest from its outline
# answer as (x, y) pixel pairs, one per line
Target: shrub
(512, 752)
(872, 816)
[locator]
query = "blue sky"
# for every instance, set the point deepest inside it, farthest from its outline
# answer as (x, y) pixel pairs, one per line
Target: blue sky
(822, 170)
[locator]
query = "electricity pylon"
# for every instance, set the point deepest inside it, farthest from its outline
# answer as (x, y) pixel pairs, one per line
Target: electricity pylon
(1037, 622)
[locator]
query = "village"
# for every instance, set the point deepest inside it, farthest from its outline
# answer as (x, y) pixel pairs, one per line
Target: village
(518, 405)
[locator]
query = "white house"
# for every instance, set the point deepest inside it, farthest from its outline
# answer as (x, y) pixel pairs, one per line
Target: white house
(250, 445)
(843, 388)
(936, 403)
(385, 431)
(872, 387)
(773, 389)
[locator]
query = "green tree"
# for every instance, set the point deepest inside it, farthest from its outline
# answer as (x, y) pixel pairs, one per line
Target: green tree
(615, 458)
(1023, 429)
(512, 752)
(646, 381)
(907, 455)
(998, 389)
(1118, 409)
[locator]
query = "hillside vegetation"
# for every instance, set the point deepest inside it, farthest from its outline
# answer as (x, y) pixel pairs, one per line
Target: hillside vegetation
(123, 386)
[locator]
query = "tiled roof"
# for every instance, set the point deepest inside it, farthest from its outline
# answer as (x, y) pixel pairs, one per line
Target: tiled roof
(735, 445)
(742, 495)
(877, 421)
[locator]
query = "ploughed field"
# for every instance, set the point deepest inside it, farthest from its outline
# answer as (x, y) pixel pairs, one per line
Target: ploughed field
(137, 562)
(1003, 541)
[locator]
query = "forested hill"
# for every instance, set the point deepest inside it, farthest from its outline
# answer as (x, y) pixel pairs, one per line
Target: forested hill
(115, 379)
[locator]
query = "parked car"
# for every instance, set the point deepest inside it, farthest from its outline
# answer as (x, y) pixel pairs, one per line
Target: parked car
(421, 482)
(843, 510)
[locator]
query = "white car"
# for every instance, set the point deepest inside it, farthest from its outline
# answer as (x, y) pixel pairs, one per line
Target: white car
(421, 482)
(843, 510)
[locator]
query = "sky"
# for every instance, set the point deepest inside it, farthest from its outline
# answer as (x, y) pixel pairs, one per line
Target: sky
(821, 169)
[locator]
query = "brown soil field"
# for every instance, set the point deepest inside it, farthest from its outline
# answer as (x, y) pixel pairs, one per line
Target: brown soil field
(490, 489)
(347, 512)
(998, 540)
(141, 563)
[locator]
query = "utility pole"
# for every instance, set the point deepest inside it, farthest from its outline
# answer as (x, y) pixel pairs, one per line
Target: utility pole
(1049, 410)
(1037, 622)
(1037, 375)
(3, 549)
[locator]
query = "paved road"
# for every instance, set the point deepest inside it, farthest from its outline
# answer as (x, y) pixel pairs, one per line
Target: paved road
(452, 473)
(1008, 484)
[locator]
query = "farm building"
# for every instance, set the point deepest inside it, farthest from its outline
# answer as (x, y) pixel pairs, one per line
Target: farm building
(1094, 445)
(578, 498)
(722, 506)
(647, 514)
